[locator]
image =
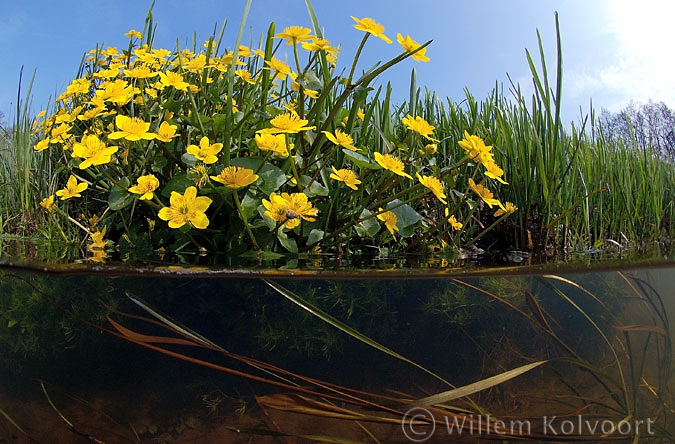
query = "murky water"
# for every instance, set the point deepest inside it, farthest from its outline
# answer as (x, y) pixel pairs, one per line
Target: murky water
(116, 356)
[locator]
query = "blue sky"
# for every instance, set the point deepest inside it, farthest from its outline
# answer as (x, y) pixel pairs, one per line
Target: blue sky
(614, 50)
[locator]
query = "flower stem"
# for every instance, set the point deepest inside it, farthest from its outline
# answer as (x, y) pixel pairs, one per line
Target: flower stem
(237, 202)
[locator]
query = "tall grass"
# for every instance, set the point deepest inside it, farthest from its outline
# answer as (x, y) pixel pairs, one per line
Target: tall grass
(25, 179)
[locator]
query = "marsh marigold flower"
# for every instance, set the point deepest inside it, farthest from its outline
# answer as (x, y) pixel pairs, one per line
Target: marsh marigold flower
(206, 152)
(289, 123)
(389, 219)
(476, 149)
(370, 26)
(288, 209)
(174, 79)
(41, 145)
(433, 184)
(131, 128)
(93, 150)
(420, 126)
(295, 34)
(236, 177)
(391, 163)
(145, 186)
(166, 132)
(452, 220)
(341, 138)
(186, 208)
(347, 176)
(280, 68)
(409, 44)
(72, 189)
(274, 143)
(485, 194)
(509, 207)
(493, 171)
(48, 203)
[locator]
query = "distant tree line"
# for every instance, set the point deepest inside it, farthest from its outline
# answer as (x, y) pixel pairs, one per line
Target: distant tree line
(649, 127)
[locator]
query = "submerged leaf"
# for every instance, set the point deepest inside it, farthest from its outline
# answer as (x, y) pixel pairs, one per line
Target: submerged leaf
(478, 386)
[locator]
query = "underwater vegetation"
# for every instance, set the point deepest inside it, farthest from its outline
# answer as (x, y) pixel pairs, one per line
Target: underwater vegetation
(360, 354)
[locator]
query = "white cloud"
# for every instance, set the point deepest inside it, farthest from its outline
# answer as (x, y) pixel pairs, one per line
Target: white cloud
(642, 64)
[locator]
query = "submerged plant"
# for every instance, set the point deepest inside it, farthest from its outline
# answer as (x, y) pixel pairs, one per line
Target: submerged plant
(239, 151)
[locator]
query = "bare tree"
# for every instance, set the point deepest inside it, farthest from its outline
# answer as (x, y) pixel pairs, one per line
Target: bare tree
(649, 127)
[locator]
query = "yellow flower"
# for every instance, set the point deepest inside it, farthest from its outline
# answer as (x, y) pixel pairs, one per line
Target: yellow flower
(236, 177)
(93, 150)
(430, 149)
(288, 209)
(48, 203)
(145, 186)
(140, 72)
(476, 149)
(420, 126)
(289, 123)
(434, 185)
(133, 33)
(494, 172)
(341, 138)
(280, 68)
(485, 194)
(174, 79)
(295, 34)
(97, 241)
(41, 145)
(370, 26)
(318, 44)
(118, 92)
(346, 176)
(186, 208)
(245, 75)
(411, 45)
(391, 163)
(131, 128)
(166, 132)
(389, 219)
(274, 143)
(205, 151)
(72, 189)
(509, 207)
(60, 134)
(455, 225)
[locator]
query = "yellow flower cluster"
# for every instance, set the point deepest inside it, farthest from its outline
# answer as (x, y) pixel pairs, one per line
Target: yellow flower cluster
(153, 135)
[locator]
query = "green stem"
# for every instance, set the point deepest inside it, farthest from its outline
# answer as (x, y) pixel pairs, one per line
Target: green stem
(237, 202)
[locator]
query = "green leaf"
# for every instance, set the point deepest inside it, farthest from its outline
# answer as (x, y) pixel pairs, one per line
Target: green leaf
(178, 183)
(119, 197)
(287, 243)
(360, 160)
(249, 205)
(406, 217)
(315, 236)
(369, 226)
(314, 189)
(11, 323)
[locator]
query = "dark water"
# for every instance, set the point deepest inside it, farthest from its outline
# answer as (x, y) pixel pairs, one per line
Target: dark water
(159, 354)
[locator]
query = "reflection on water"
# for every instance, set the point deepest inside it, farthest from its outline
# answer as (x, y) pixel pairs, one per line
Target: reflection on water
(136, 358)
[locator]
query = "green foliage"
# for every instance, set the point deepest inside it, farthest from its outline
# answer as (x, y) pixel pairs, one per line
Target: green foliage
(239, 151)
